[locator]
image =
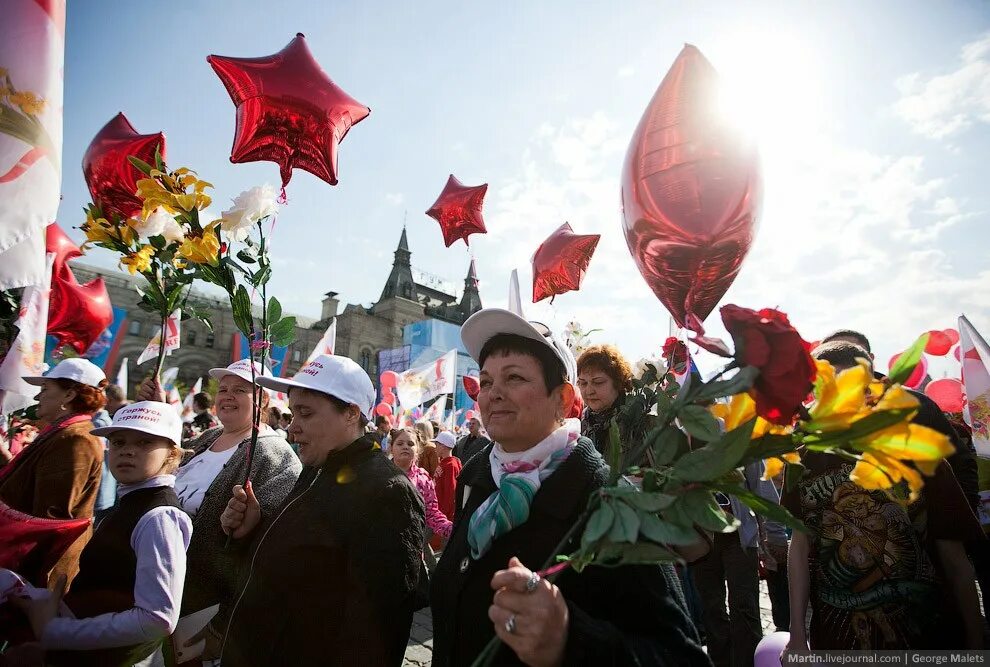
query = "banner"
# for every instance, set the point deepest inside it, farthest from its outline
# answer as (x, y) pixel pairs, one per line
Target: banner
(32, 53)
(435, 412)
(172, 339)
(122, 377)
(974, 353)
(326, 344)
(26, 356)
(418, 385)
(196, 388)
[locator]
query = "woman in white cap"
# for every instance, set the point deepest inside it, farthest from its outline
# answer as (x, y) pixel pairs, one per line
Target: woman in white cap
(58, 475)
(334, 570)
(204, 483)
(126, 598)
(516, 500)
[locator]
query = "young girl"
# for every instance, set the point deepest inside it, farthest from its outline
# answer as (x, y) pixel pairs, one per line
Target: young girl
(126, 597)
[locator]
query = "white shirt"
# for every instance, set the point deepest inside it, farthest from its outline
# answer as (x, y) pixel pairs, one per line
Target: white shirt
(159, 540)
(193, 480)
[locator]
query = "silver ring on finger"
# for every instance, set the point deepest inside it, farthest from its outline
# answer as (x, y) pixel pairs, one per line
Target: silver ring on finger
(533, 582)
(510, 625)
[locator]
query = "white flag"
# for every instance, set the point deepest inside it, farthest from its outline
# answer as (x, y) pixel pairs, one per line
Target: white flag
(174, 399)
(172, 330)
(326, 344)
(188, 403)
(168, 377)
(974, 353)
(26, 356)
(32, 53)
(435, 412)
(122, 377)
(418, 385)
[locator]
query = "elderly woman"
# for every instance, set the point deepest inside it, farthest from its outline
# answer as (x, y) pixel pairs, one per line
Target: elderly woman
(515, 503)
(406, 450)
(58, 475)
(334, 570)
(604, 377)
(204, 482)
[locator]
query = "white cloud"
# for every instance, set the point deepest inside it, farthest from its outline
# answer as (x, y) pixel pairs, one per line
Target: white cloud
(943, 105)
(626, 71)
(394, 198)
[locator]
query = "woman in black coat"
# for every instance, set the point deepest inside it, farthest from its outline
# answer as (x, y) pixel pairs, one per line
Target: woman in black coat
(334, 570)
(515, 501)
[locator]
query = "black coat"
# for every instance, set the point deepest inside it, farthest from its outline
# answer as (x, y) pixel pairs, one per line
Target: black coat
(468, 446)
(334, 572)
(618, 616)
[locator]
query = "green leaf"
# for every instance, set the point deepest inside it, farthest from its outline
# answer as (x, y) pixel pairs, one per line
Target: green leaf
(904, 366)
(158, 242)
(283, 332)
(262, 276)
(716, 458)
(140, 165)
(626, 525)
(241, 309)
(274, 310)
(701, 508)
(599, 524)
(762, 506)
(699, 422)
(655, 529)
(736, 384)
(650, 502)
(671, 444)
(614, 451)
(793, 472)
(859, 429)
(646, 553)
(767, 446)
(246, 257)
(159, 164)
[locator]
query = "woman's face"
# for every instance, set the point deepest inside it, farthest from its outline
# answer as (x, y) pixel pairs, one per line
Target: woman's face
(136, 456)
(403, 453)
(234, 403)
(597, 389)
(51, 399)
(318, 427)
(515, 407)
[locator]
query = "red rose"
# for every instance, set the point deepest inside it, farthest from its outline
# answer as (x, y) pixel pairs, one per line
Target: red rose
(766, 340)
(675, 352)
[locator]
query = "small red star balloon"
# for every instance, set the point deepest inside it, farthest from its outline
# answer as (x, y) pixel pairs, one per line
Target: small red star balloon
(288, 110)
(458, 210)
(561, 261)
(111, 178)
(77, 314)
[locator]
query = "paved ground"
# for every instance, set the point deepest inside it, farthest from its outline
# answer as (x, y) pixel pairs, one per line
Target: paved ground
(420, 651)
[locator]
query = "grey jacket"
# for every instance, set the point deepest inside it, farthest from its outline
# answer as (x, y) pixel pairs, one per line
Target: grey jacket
(212, 568)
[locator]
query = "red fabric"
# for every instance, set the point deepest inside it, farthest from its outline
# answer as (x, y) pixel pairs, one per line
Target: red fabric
(446, 483)
(32, 546)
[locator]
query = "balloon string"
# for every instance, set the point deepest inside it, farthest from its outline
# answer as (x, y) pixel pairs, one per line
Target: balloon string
(282, 197)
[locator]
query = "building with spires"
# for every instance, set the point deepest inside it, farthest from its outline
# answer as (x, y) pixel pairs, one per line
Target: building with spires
(366, 334)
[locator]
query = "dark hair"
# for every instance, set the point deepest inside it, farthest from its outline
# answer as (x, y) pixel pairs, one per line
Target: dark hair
(841, 354)
(342, 407)
(554, 373)
(114, 392)
(608, 360)
(381, 419)
(862, 340)
(202, 401)
(88, 399)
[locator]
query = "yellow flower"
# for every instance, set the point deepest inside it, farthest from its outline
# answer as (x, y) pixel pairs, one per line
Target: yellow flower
(29, 103)
(776, 464)
(740, 410)
(97, 230)
(202, 249)
(140, 261)
(153, 194)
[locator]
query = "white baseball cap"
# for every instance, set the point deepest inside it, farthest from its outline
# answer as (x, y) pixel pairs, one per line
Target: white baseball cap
(445, 438)
(149, 417)
(339, 377)
(241, 369)
(78, 370)
(490, 322)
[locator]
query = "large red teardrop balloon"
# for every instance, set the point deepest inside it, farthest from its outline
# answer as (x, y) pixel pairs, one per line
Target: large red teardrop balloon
(77, 314)
(288, 110)
(939, 343)
(561, 260)
(948, 393)
(691, 192)
(471, 386)
(111, 178)
(458, 210)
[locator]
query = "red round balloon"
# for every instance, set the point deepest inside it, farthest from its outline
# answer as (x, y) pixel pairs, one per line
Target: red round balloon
(288, 110)
(691, 192)
(389, 380)
(939, 343)
(383, 409)
(955, 353)
(471, 386)
(559, 264)
(388, 397)
(77, 314)
(948, 393)
(458, 210)
(111, 178)
(952, 334)
(917, 376)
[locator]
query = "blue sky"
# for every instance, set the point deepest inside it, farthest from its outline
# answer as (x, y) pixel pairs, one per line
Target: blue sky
(872, 119)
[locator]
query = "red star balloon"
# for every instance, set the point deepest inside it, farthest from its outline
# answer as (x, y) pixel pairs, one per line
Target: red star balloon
(77, 314)
(288, 110)
(690, 193)
(560, 262)
(458, 210)
(112, 180)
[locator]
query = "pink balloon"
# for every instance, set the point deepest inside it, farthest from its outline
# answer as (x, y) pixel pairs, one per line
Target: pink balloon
(769, 649)
(918, 376)
(948, 393)
(388, 397)
(956, 354)
(939, 343)
(389, 380)
(469, 414)
(952, 334)
(383, 409)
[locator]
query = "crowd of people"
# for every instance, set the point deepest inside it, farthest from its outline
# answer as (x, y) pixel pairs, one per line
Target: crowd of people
(318, 543)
